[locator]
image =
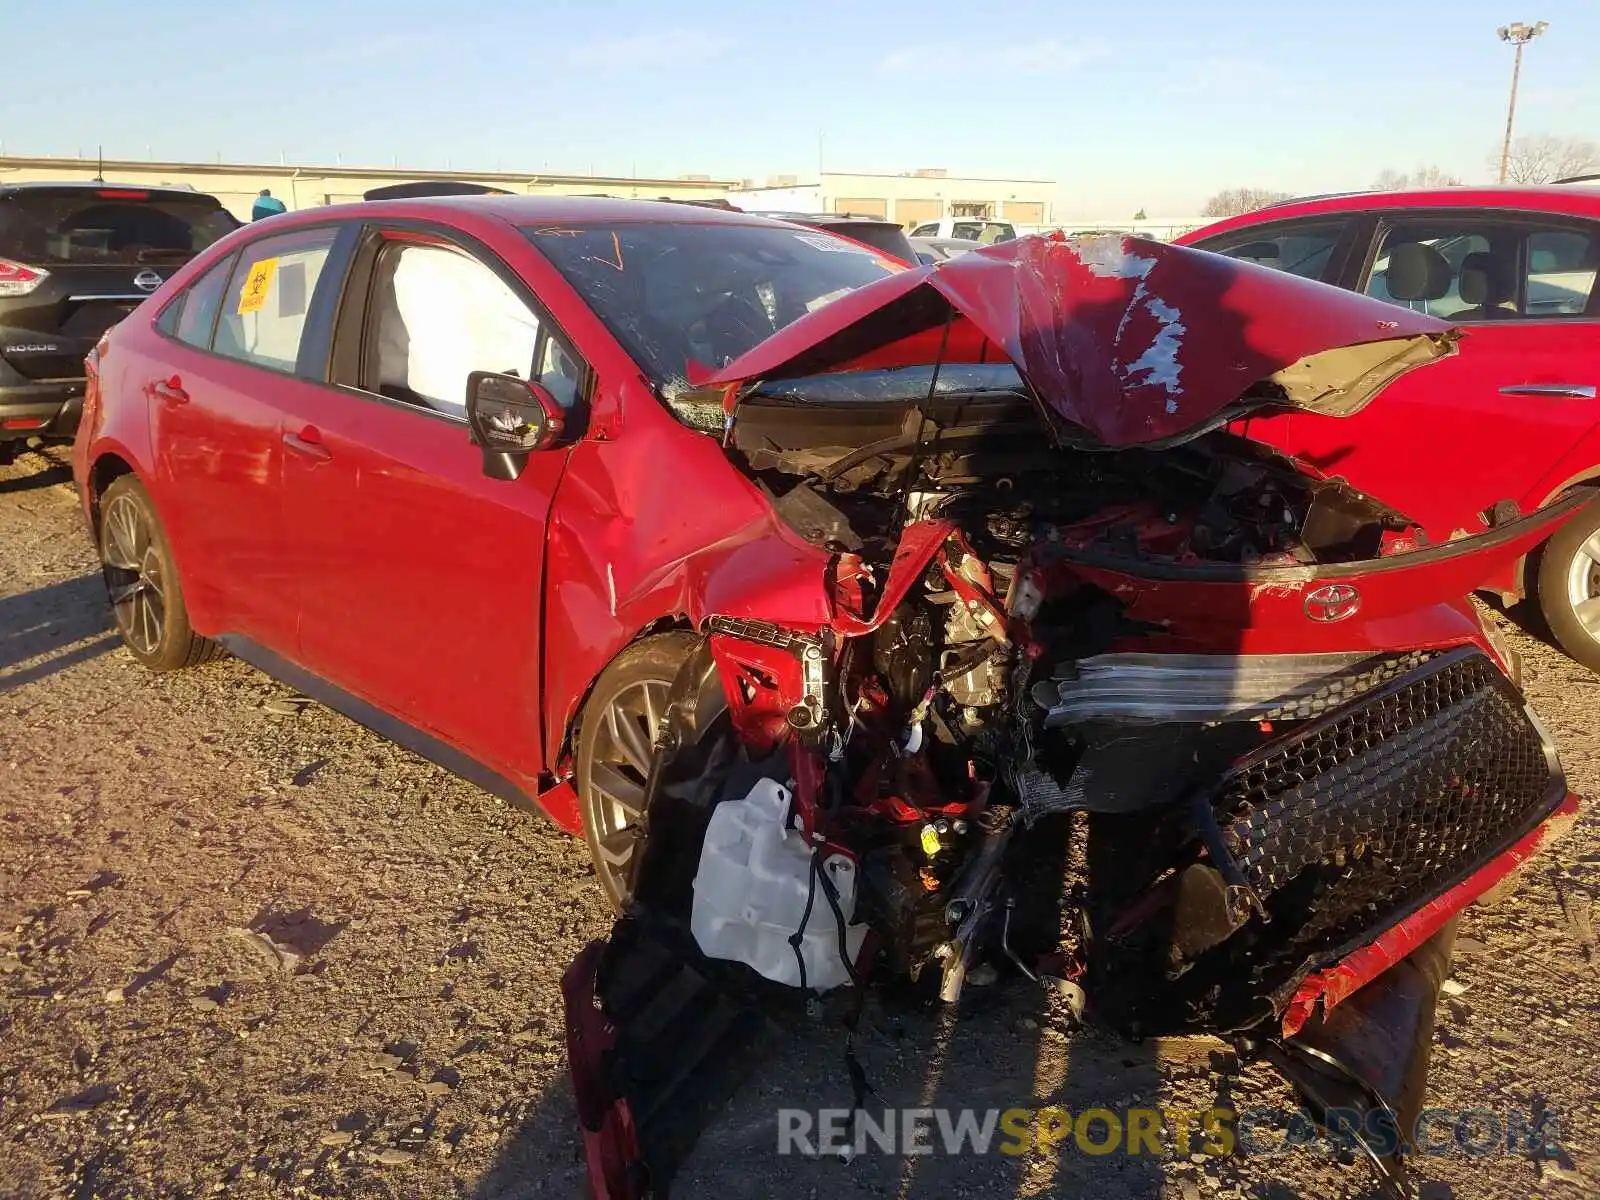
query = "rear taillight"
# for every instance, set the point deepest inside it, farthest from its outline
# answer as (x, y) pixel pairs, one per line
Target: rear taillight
(17, 279)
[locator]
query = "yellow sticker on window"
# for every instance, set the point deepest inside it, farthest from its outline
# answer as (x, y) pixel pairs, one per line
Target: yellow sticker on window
(257, 285)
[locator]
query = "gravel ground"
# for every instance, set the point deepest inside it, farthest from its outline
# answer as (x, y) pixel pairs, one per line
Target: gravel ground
(248, 948)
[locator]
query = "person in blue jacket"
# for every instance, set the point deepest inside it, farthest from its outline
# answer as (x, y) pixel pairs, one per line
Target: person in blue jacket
(266, 205)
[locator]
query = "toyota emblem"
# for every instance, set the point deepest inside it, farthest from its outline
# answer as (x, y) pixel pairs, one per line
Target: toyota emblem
(1332, 602)
(147, 281)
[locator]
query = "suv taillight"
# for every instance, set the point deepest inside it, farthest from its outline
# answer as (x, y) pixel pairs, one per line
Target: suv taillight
(19, 280)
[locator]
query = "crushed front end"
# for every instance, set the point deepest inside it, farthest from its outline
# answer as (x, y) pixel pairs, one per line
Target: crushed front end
(981, 776)
(1200, 741)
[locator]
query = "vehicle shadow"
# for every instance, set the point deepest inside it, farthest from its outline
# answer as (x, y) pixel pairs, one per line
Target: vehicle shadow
(52, 623)
(49, 470)
(1008, 1058)
(1527, 616)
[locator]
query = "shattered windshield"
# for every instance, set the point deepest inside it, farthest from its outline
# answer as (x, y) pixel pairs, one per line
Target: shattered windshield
(702, 292)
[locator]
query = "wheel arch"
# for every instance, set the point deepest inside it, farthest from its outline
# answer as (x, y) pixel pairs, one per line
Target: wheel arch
(562, 757)
(1526, 569)
(112, 463)
(108, 467)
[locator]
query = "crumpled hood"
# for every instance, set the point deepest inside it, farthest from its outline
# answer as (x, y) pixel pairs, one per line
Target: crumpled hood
(1127, 340)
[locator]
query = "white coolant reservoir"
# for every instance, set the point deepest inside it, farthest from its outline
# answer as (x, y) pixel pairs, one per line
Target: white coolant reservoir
(750, 894)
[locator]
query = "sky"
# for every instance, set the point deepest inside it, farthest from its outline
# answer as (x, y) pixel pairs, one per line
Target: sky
(1155, 104)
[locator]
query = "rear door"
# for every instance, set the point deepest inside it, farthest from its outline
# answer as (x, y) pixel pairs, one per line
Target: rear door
(1514, 412)
(75, 260)
(418, 579)
(237, 349)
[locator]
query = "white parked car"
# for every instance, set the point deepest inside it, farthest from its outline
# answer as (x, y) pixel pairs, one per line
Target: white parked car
(967, 229)
(931, 249)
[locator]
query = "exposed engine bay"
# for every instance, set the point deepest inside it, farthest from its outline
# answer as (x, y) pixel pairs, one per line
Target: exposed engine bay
(986, 464)
(984, 766)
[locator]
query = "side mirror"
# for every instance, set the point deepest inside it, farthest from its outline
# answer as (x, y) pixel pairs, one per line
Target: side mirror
(510, 418)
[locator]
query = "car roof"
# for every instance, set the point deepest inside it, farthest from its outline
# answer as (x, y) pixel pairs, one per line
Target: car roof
(526, 210)
(1577, 199)
(90, 186)
(827, 218)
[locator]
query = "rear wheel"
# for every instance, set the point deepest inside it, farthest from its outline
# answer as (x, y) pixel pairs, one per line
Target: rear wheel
(614, 747)
(1569, 586)
(142, 582)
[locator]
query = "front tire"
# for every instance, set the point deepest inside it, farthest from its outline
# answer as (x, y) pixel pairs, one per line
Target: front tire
(614, 747)
(1569, 586)
(142, 582)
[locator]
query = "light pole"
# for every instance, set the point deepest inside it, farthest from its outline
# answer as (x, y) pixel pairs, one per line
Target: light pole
(1519, 34)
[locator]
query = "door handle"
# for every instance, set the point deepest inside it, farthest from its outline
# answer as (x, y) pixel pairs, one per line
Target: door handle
(308, 444)
(1571, 391)
(170, 390)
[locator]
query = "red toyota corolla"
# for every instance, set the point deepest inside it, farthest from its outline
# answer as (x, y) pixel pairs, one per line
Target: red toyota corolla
(800, 582)
(1513, 419)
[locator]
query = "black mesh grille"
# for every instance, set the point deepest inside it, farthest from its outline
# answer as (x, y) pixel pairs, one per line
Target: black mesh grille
(1344, 687)
(1370, 811)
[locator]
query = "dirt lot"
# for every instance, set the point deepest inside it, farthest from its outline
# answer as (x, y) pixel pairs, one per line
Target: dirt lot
(248, 948)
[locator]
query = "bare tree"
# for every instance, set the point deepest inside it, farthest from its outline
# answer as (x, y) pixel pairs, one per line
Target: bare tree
(1540, 158)
(1233, 201)
(1431, 176)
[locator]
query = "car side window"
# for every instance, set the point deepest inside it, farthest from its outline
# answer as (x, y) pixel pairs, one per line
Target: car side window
(1302, 249)
(268, 296)
(1561, 269)
(438, 314)
(1445, 268)
(200, 304)
(925, 231)
(1469, 271)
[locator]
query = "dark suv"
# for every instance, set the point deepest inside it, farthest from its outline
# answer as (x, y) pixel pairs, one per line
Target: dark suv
(872, 231)
(74, 260)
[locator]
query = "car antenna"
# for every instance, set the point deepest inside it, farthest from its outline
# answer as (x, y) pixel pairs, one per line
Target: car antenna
(100, 164)
(908, 477)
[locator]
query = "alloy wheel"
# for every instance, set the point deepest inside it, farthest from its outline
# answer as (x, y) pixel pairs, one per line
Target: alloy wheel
(1583, 585)
(619, 770)
(133, 575)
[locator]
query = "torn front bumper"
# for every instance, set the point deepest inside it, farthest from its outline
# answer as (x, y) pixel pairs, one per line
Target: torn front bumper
(1322, 840)
(1341, 853)
(655, 1047)
(1357, 1038)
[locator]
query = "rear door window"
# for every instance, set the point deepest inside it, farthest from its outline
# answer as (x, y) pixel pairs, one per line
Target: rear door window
(110, 226)
(197, 317)
(1473, 268)
(268, 296)
(1304, 249)
(1562, 264)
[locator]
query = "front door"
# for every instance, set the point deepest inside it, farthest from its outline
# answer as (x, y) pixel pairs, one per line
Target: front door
(418, 578)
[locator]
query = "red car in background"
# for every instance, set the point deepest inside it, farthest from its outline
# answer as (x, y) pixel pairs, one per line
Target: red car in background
(1513, 418)
(816, 592)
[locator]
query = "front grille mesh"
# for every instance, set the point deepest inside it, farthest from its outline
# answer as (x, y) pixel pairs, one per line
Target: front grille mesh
(1384, 805)
(1344, 687)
